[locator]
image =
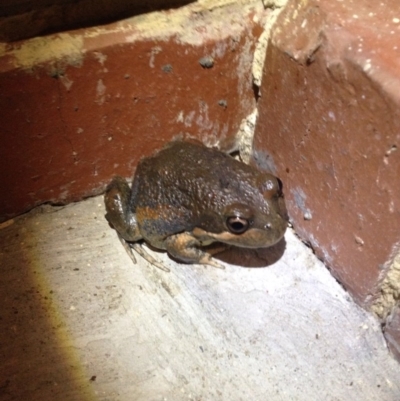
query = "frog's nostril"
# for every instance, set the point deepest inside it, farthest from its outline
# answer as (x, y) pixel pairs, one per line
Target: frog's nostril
(268, 226)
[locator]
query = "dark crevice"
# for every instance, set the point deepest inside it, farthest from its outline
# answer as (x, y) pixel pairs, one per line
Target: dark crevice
(256, 91)
(28, 19)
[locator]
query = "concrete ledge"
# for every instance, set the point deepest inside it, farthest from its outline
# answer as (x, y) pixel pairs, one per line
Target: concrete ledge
(80, 322)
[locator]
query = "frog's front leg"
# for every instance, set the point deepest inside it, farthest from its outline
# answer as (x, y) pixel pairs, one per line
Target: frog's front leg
(186, 247)
(119, 214)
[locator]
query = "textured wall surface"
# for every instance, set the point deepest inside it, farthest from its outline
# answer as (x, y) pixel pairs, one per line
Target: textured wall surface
(82, 106)
(329, 124)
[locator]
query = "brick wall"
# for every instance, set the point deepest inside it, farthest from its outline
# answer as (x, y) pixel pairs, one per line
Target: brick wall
(329, 124)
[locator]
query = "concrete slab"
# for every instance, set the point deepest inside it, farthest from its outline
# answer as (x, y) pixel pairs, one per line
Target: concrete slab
(79, 321)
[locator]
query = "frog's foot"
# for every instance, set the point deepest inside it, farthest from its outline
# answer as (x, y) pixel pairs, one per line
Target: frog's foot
(208, 260)
(186, 247)
(140, 250)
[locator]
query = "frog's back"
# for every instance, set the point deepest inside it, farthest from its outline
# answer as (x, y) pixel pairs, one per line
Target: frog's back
(188, 174)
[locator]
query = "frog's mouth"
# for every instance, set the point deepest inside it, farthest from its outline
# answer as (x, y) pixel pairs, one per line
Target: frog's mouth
(252, 238)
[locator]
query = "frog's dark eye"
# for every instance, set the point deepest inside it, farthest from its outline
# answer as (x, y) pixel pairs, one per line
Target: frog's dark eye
(237, 225)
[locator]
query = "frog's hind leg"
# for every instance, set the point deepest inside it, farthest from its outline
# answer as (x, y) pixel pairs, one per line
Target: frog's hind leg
(119, 213)
(121, 216)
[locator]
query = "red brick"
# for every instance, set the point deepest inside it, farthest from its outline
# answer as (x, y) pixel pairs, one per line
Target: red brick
(74, 119)
(329, 124)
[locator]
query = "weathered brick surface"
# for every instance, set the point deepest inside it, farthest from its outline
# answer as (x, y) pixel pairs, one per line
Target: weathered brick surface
(330, 126)
(78, 108)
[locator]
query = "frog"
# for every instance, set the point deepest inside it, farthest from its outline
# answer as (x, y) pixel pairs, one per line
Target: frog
(188, 196)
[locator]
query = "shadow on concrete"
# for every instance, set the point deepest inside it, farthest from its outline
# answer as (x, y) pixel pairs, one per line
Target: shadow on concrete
(254, 258)
(37, 361)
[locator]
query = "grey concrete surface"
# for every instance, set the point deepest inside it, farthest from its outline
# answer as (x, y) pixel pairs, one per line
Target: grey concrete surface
(79, 322)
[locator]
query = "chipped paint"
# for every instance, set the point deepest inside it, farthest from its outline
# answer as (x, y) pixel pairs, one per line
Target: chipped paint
(300, 199)
(179, 118)
(100, 57)
(66, 81)
(154, 51)
(100, 91)
(203, 120)
(187, 119)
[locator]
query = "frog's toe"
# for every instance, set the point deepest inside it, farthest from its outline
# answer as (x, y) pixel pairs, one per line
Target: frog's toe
(128, 248)
(208, 260)
(140, 250)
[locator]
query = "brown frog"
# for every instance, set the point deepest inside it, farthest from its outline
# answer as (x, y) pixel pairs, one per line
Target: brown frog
(188, 196)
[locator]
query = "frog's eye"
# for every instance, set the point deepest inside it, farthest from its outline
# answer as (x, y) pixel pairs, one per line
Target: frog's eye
(237, 225)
